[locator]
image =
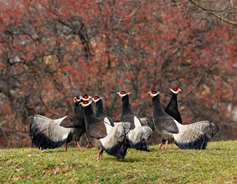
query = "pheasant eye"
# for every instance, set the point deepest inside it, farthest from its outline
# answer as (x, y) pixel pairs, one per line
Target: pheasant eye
(96, 98)
(153, 92)
(77, 97)
(175, 89)
(85, 102)
(122, 92)
(86, 96)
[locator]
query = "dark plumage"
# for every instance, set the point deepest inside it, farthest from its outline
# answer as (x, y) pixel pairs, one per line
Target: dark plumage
(49, 133)
(191, 136)
(147, 122)
(172, 107)
(138, 136)
(85, 98)
(100, 113)
(104, 136)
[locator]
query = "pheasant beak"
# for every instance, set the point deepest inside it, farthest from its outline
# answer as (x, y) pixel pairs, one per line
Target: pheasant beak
(81, 103)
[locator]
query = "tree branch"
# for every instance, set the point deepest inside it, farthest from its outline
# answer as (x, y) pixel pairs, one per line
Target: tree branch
(199, 80)
(134, 11)
(212, 13)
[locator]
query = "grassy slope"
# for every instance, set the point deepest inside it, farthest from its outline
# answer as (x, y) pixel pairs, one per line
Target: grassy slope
(216, 164)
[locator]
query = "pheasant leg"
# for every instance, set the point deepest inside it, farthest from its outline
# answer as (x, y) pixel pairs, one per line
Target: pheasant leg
(79, 146)
(161, 145)
(166, 143)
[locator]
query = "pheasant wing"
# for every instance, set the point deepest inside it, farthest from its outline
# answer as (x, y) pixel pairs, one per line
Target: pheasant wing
(98, 130)
(73, 121)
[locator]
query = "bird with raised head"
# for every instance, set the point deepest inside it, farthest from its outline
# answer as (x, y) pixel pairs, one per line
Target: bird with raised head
(86, 98)
(46, 133)
(172, 110)
(103, 136)
(100, 113)
(139, 135)
(190, 136)
(172, 107)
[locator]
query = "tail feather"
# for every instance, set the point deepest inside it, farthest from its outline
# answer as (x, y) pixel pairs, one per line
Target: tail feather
(147, 122)
(199, 143)
(142, 145)
(208, 128)
(137, 138)
(43, 142)
(115, 143)
(215, 129)
(46, 133)
(119, 150)
(194, 136)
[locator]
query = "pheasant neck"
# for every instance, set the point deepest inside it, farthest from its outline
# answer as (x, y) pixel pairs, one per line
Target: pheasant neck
(88, 111)
(78, 109)
(99, 108)
(125, 100)
(157, 109)
(173, 100)
(125, 105)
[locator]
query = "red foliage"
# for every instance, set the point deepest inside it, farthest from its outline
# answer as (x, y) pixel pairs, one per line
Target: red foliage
(51, 51)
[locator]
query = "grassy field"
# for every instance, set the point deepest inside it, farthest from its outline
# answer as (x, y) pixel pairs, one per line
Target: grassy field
(216, 164)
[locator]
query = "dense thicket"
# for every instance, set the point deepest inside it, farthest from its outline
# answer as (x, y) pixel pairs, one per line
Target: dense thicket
(51, 51)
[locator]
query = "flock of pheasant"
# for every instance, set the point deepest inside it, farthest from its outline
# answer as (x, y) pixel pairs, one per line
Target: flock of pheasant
(116, 137)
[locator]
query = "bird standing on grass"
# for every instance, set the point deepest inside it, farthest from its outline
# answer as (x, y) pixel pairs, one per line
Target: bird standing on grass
(172, 107)
(191, 136)
(86, 98)
(138, 136)
(172, 110)
(100, 113)
(104, 136)
(49, 133)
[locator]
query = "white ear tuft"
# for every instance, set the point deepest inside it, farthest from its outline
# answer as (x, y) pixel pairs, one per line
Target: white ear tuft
(106, 120)
(107, 125)
(137, 122)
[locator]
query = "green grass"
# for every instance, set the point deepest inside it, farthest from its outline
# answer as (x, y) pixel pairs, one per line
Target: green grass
(216, 164)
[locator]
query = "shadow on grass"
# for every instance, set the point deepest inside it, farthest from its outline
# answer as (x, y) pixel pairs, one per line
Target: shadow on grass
(152, 149)
(54, 151)
(127, 160)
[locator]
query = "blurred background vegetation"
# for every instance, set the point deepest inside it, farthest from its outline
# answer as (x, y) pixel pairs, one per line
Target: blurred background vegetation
(52, 50)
